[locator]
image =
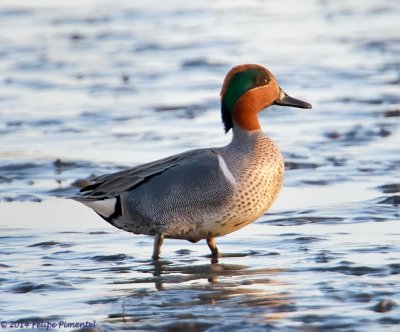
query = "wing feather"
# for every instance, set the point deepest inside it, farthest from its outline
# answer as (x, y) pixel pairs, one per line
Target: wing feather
(112, 185)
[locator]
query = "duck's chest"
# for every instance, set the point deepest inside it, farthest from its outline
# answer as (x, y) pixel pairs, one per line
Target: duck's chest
(259, 177)
(260, 180)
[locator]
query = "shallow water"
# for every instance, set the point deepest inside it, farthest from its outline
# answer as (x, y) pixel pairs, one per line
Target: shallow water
(93, 87)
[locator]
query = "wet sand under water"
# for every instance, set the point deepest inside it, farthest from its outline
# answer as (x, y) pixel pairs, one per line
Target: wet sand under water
(77, 98)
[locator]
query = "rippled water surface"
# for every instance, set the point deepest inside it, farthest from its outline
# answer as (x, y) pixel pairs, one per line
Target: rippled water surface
(89, 87)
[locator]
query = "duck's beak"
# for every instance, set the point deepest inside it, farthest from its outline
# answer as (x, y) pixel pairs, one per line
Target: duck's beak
(285, 100)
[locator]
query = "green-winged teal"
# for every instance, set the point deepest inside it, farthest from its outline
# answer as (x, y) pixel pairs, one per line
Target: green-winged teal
(203, 193)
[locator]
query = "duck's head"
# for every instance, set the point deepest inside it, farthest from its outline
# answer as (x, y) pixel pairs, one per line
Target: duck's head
(248, 89)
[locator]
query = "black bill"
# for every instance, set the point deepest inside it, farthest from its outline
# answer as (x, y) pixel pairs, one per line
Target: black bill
(285, 100)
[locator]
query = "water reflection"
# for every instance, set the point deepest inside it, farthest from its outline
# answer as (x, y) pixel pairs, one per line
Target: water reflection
(197, 293)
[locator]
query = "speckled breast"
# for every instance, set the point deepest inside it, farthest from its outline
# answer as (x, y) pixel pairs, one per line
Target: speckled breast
(258, 185)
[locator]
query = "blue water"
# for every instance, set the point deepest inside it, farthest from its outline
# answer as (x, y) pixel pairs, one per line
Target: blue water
(96, 86)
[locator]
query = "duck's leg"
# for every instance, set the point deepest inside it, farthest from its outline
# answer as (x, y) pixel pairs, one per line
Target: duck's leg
(213, 247)
(158, 241)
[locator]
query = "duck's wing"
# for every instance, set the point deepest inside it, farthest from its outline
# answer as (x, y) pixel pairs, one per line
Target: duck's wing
(111, 185)
(152, 196)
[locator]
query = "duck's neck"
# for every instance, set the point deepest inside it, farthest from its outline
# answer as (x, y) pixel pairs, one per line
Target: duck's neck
(241, 135)
(246, 118)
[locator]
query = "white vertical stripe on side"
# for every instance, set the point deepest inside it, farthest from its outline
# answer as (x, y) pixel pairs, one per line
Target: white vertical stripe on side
(226, 171)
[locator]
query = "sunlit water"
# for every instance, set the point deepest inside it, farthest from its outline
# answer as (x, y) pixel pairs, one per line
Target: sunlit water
(96, 86)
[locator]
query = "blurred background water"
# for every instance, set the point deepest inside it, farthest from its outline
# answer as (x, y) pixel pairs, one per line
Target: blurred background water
(88, 87)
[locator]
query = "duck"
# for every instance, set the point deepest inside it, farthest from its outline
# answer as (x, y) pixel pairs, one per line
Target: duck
(208, 192)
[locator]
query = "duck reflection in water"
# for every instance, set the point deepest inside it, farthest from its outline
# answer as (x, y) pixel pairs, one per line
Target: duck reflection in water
(182, 287)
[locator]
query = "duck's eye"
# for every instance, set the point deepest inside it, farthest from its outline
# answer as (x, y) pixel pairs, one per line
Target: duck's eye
(262, 81)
